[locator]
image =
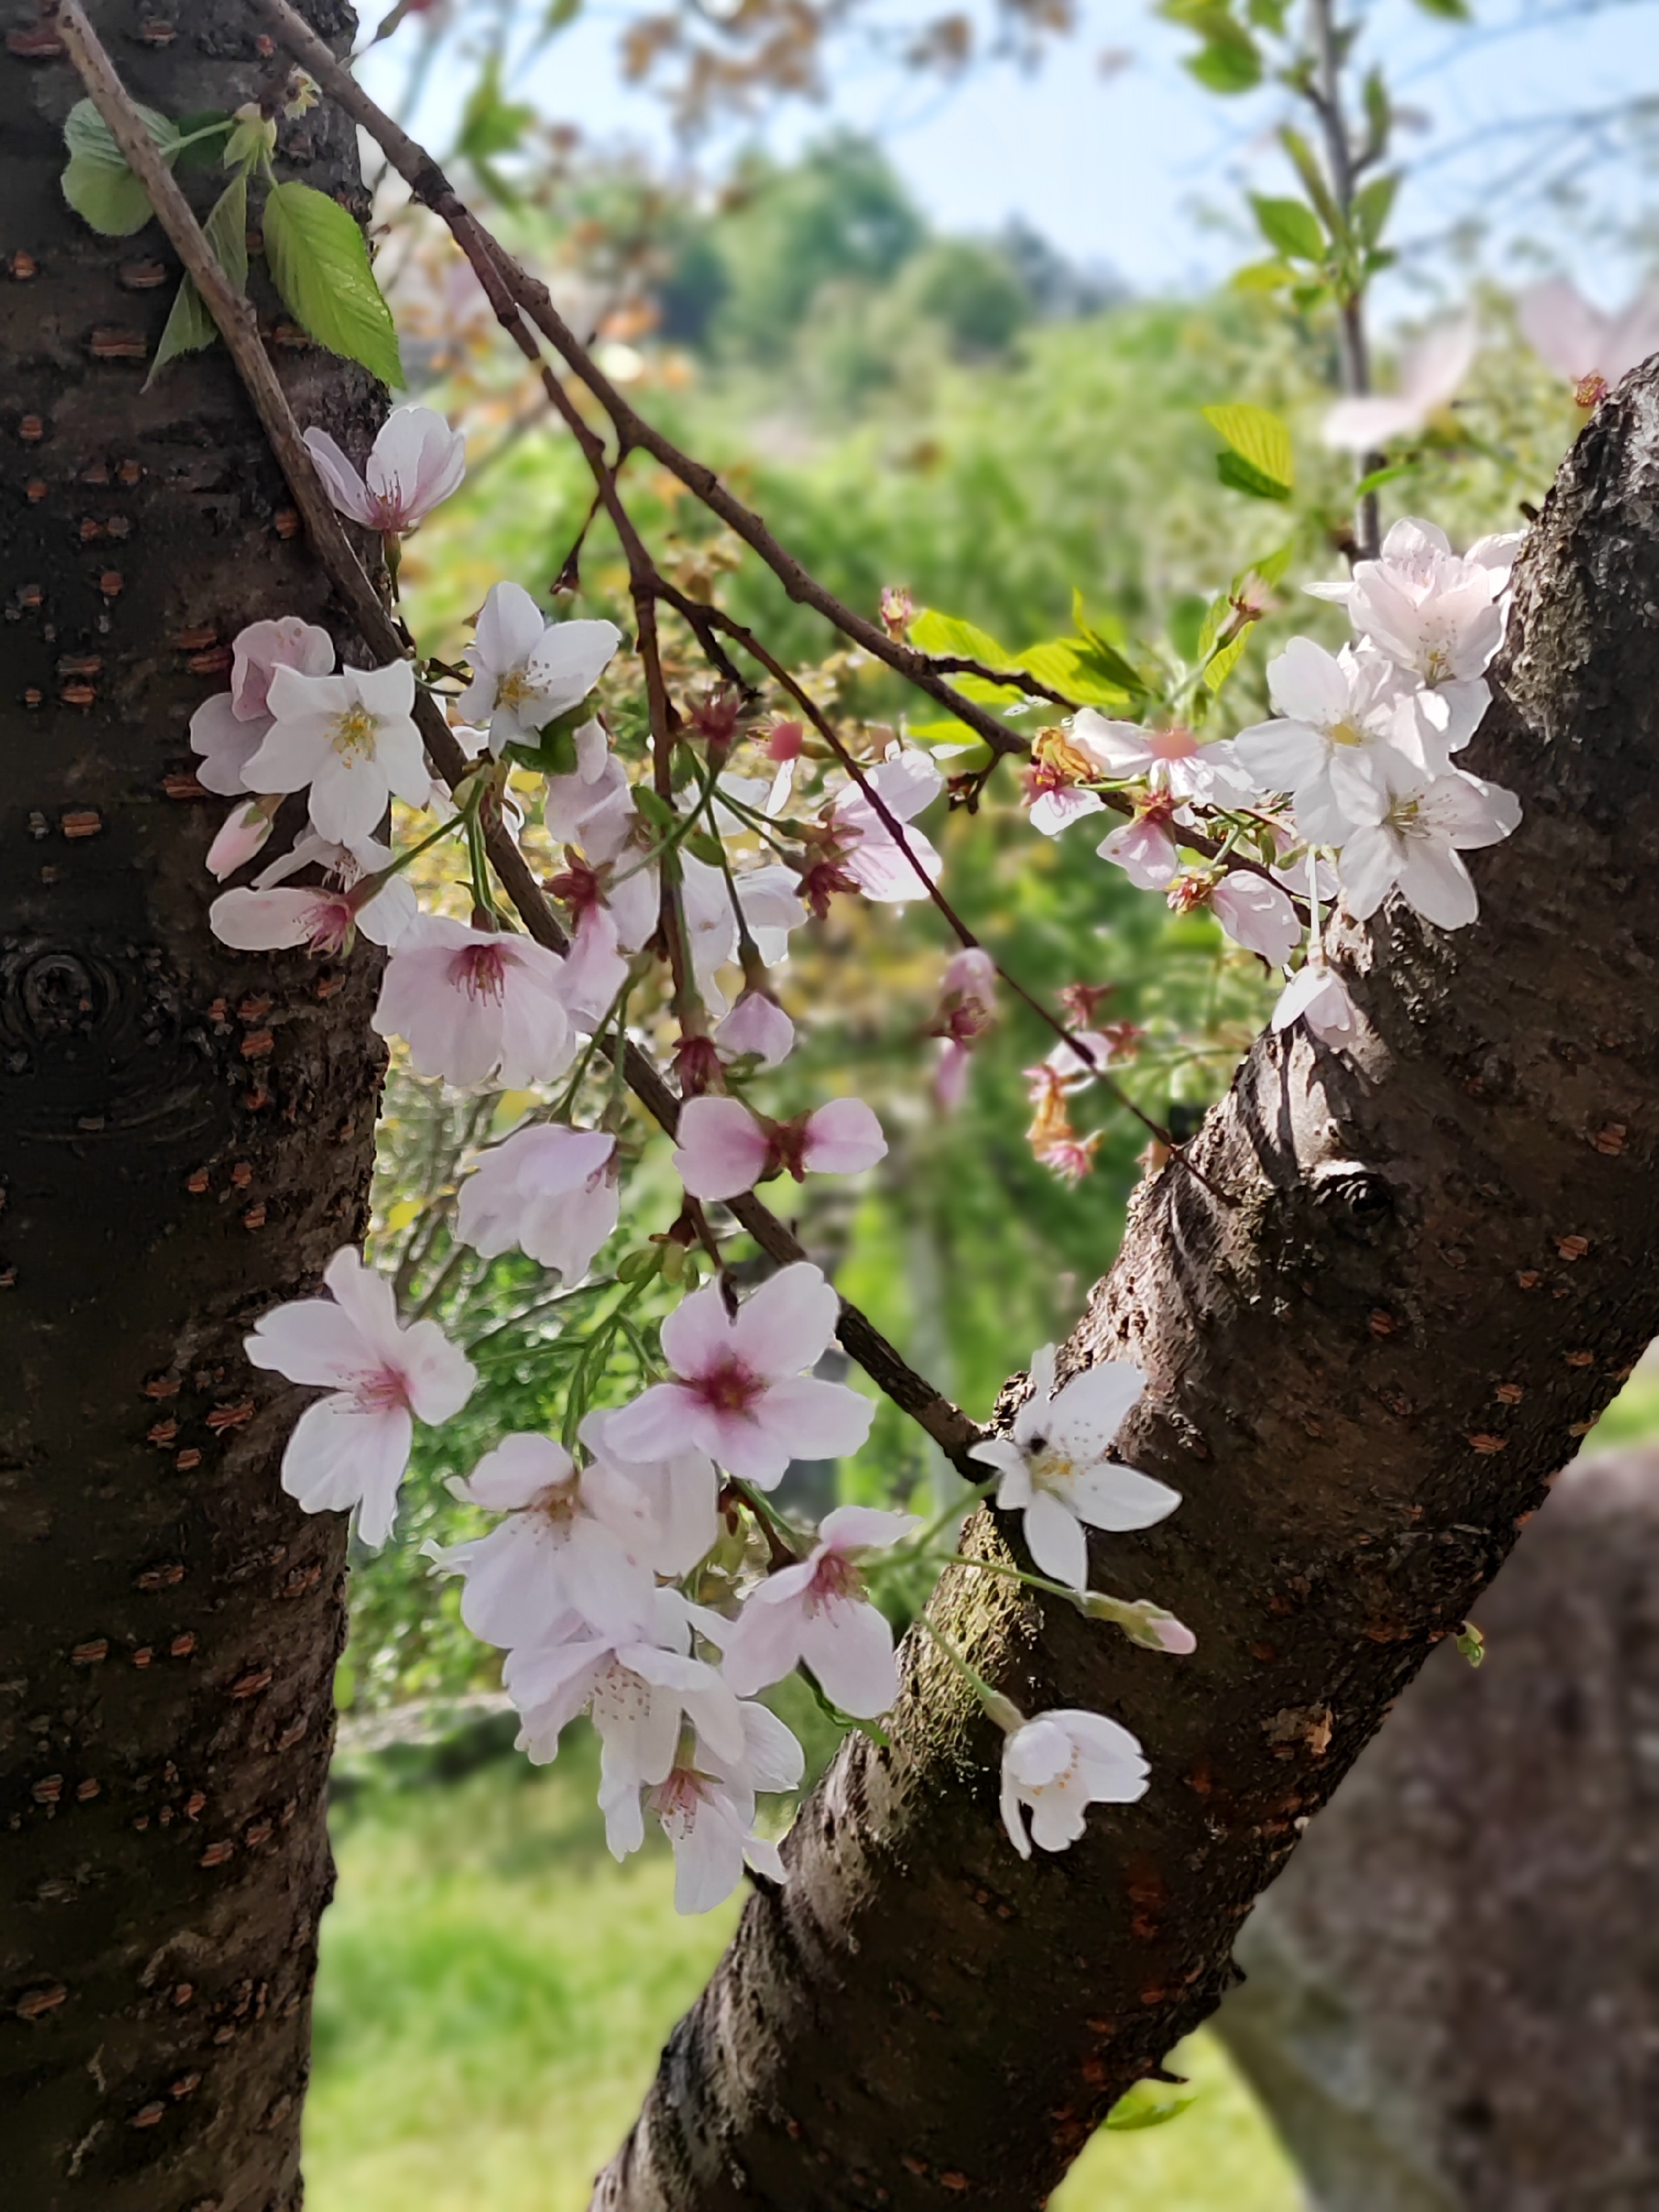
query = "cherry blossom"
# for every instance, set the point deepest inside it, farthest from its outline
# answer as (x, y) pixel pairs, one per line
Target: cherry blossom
(757, 1027)
(674, 1501)
(725, 1149)
(229, 729)
(476, 1003)
(906, 782)
(1414, 847)
(1580, 343)
(1334, 711)
(1434, 612)
(1055, 1467)
(706, 1808)
(528, 671)
(817, 1611)
(416, 461)
(351, 1448)
(562, 1548)
(592, 806)
(1144, 848)
(967, 1009)
(351, 738)
(1254, 911)
(738, 1390)
(770, 908)
(1431, 373)
(548, 1189)
(244, 834)
(639, 1686)
(1173, 761)
(1315, 995)
(1056, 1766)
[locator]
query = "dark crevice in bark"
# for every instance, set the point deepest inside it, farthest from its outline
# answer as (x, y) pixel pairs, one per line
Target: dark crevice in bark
(186, 1135)
(1433, 1271)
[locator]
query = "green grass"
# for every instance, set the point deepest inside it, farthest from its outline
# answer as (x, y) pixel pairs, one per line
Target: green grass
(493, 1993)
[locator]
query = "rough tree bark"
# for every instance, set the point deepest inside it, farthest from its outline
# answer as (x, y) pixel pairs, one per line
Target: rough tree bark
(186, 1136)
(1431, 1267)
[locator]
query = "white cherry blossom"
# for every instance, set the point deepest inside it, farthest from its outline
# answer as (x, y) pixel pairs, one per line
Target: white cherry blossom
(817, 1611)
(1254, 913)
(1435, 613)
(416, 461)
(639, 1686)
(527, 671)
(548, 1189)
(350, 739)
(1174, 762)
(770, 906)
(1415, 845)
(1144, 848)
(476, 1003)
(1577, 341)
(1055, 1467)
(724, 1148)
(706, 1808)
(351, 1448)
(1317, 996)
(739, 1392)
(562, 1548)
(229, 729)
(320, 917)
(1056, 1766)
(592, 806)
(1335, 711)
(1431, 372)
(675, 1500)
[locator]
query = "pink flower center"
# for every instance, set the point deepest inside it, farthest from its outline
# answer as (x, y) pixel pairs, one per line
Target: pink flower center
(835, 1581)
(331, 921)
(381, 1390)
(480, 971)
(729, 1387)
(1171, 744)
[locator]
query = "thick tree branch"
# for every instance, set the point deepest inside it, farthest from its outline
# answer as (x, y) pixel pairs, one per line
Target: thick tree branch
(1363, 1378)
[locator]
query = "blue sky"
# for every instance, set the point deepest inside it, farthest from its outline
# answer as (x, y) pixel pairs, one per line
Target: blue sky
(1130, 169)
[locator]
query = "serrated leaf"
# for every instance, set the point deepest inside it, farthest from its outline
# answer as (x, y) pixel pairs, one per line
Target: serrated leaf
(97, 183)
(948, 637)
(1221, 667)
(190, 327)
(319, 264)
(1259, 438)
(1290, 227)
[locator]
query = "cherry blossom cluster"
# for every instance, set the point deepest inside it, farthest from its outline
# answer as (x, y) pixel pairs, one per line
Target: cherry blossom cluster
(638, 1571)
(1352, 789)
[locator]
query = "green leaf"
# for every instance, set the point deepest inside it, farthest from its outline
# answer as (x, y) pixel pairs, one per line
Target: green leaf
(1313, 178)
(1188, 617)
(559, 15)
(1070, 664)
(1449, 11)
(1471, 1644)
(1104, 658)
(1262, 277)
(703, 847)
(1260, 440)
(1378, 477)
(1379, 110)
(948, 637)
(1227, 66)
(656, 810)
(1150, 2105)
(319, 264)
(214, 126)
(1371, 208)
(1290, 227)
(97, 183)
(189, 326)
(1240, 475)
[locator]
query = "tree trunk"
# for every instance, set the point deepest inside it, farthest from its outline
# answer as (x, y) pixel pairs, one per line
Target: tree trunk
(1452, 2000)
(186, 1137)
(1431, 1264)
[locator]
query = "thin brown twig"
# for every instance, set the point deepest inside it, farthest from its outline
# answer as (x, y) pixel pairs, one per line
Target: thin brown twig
(946, 1424)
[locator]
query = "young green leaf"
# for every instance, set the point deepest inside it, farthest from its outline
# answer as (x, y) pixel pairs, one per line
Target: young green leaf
(1260, 442)
(948, 637)
(1289, 228)
(1103, 658)
(202, 135)
(1372, 207)
(1149, 2105)
(189, 326)
(1227, 65)
(1313, 178)
(98, 184)
(319, 264)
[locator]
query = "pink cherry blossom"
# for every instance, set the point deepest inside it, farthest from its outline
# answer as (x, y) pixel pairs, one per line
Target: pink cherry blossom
(1317, 996)
(817, 1611)
(906, 782)
(1173, 761)
(756, 1026)
(562, 1548)
(1431, 374)
(474, 1003)
(350, 739)
(1254, 911)
(528, 671)
(674, 1501)
(351, 1448)
(416, 461)
(229, 729)
(1144, 849)
(738, 1390)
(1434, 612)
(1056, 1766)
(245, 833)
(725, 1149)
(548, 1189)
(1580, 343)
